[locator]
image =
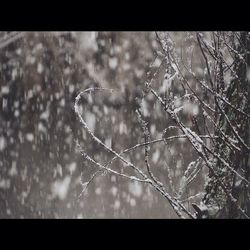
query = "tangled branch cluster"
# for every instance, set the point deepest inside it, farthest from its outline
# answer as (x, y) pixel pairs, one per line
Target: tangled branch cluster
(220, 131)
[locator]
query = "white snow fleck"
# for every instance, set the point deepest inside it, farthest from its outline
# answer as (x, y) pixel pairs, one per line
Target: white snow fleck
(57, 95)
(62, 102)
(132, 202)
(60, 188)
(122, 128)
(66, 71)
(190, 108)
(156, 156)
(90, 120)
(19, 51)
(152, 129)
(16, 113)
(176, 110)
(238, 183)
(90, 100)
(79, 216)
(14, 74)
(179, 163)
(39, 68)
(172, 150)
(135, 188)
(177, 102)
(105, 109)
(108, 142)
(113, 178)
(114, 190)
(5, 89)
(72, 167)
(2, 143)
(4, 184)
(117, 204)
(88, 42)
(139, 73)
(59, 169)
(145, 108)
(113, 62)
(29, 137)
(30, 94)
(71, 88)
(45, 115)
(167, 83)
(16, 104)
(41, 127)
(98, 191)
(156, 63)
(13, 170)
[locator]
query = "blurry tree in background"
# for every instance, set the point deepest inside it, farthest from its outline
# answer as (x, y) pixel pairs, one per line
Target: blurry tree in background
(176, 124)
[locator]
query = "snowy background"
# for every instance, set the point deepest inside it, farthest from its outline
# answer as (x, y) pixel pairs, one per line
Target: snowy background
(40, 169)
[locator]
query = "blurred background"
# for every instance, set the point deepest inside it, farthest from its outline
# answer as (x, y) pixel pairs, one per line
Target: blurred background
(40, 169)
